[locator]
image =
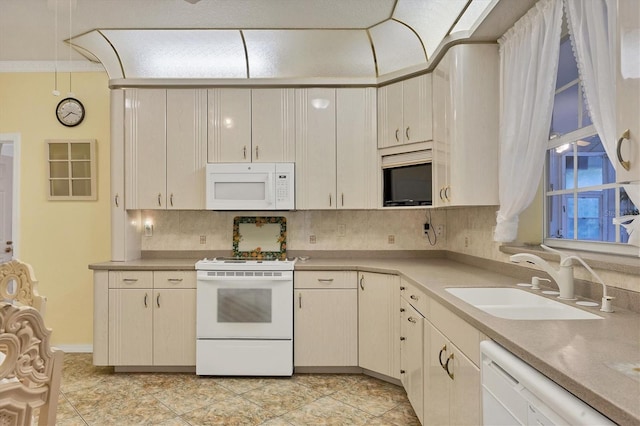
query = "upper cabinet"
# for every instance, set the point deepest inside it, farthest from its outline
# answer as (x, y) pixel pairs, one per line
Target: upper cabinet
(405, 112)
(336, 160)
(273, 132)
(628, 92)
(165, 148)
(465, 126)
(229, 125)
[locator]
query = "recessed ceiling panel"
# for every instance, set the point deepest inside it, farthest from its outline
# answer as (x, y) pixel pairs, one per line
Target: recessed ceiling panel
(179, 53)
(309, 53)
(476, 11)
(93, 43)
(431, 19)
(397, 47)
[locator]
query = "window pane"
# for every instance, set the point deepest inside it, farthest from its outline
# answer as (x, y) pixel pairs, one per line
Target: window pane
(627, 208)
(556, 165)
(80, 151)
(594, 167)
(560, 223)
(565, 111)
(567, 67)
(59, 169)
(58, 151)
(60, 187)
(81, 169)
(81, 187)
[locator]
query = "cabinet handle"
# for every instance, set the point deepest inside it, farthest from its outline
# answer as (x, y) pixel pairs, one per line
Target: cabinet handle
(342, 196)
(446, 366)
(158, 300)
(171, 199)
(117, 200)
(300, 300)
(244, 152)
(412, 320)
(330, 200)
(623, 163)
(129, 280)
(146, 296)
(406, 132)
(446, 193)
(414, 297)
(402, 288)
(325, 280)
(362, 282)
(159, 202)
(402, 339)
(257, 155)
(441, 198)
(402, 371)
(175, 280)
(444, 348)
(401, 309)
(397, 138)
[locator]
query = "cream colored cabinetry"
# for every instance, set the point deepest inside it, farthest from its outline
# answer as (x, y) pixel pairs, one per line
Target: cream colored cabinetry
(325, 319)
(273, 125)
(405, 112)
(379, 323)
(165, 148)
(144, 318)
(229, 125)
(628, 92)
(336, 163)
(411, 357)
(451, 374)
(465, 126)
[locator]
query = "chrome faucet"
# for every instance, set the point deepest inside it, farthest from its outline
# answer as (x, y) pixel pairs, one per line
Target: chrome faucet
(563, 276)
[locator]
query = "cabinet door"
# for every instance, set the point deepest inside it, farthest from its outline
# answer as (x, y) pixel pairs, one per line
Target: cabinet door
(273, 125)
(441, 111)
(174, 327)
(229, 125)
(316, 149)
(417, 107)
(379, 323)
(436, 380)
(390, 122)
(130, 327)
(186, 148)
(326, 328)
(357, 175)
(465, 391)
(628, 90)
(145, 149)
(411, 356)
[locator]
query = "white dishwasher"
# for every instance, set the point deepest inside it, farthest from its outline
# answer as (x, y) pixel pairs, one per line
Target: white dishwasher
(514, 393)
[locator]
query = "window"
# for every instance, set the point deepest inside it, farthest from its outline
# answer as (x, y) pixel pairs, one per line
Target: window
(581, 196)
(71, 170)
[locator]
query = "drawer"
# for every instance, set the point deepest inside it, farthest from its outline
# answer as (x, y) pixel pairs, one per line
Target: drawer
(174, 279)
(325, 279)
(412, 294)
(130, 279)
(461, 333)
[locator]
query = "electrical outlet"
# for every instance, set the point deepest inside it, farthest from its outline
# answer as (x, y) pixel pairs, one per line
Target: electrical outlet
(203, 239)
(391, 239)
(342, 230)
(440, 230)
(312, 239)
(467, 241)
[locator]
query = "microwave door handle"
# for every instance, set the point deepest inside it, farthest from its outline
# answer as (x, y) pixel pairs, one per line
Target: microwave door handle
(269, 190)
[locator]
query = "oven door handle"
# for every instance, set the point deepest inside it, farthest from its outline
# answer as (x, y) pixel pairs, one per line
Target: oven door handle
(244, 278)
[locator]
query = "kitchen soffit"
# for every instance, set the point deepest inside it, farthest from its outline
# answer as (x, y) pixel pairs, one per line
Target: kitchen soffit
(418, 26)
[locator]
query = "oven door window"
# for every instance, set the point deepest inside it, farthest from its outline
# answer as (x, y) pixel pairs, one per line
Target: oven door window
(237, 305)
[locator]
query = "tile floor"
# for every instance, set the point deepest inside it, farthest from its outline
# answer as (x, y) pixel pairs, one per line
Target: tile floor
(97, 396)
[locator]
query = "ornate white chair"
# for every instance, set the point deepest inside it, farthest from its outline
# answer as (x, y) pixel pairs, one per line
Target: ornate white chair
(31, 371)
(18, 285)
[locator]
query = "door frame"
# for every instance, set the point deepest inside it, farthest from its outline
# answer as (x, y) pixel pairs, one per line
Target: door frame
(14, 138)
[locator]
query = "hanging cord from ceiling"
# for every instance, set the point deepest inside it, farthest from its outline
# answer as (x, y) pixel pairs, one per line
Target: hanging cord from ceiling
(430, 228)
(55, 91)
(70, 34)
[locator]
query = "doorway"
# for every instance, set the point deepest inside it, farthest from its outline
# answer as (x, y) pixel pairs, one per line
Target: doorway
(9, 193)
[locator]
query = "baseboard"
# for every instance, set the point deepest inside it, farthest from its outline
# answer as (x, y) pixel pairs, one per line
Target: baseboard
(84, 349)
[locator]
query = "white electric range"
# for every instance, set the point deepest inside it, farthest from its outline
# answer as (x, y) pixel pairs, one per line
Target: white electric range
(244, 317)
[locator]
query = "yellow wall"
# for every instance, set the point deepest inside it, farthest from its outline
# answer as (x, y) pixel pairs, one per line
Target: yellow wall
(60, 238)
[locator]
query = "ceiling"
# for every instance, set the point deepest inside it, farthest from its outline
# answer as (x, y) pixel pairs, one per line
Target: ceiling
(240, 39)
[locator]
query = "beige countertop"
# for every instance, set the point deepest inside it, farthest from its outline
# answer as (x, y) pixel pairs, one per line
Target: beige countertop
(579, 355)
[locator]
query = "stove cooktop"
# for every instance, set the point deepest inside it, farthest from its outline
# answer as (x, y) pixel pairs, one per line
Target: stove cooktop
(233, 263)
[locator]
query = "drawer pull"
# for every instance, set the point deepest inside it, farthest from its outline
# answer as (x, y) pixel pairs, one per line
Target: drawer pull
(325, 280)
(130, 280)
(175, 280)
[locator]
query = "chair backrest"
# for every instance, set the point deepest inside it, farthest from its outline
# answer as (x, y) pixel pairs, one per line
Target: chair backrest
(31, 371)
(18, 284)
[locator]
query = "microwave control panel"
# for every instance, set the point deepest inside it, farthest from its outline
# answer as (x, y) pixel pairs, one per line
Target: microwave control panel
(282, 187)
(284, 190)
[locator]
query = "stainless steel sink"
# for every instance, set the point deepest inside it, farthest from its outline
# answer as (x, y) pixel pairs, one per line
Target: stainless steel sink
(513, 303)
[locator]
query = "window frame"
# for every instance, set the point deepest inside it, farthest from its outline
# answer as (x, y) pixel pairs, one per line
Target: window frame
(69, 178)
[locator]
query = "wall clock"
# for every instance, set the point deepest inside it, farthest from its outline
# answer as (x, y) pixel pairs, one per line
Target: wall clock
(70, 112)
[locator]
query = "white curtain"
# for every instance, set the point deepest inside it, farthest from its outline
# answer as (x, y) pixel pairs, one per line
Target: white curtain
(592, 28)
(528, 68)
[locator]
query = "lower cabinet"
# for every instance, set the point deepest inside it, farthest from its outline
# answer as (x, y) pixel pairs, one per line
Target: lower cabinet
(325, 319)
(379, 323)
(451, 382)
(151, 319)
(411, 356)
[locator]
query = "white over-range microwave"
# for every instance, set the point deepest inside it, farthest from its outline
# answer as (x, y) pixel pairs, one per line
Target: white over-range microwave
(250, 186)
